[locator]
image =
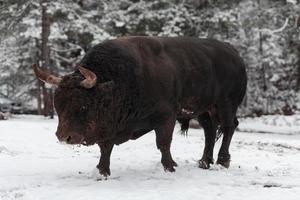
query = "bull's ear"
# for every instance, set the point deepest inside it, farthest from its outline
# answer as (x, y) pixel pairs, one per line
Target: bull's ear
(106, 86)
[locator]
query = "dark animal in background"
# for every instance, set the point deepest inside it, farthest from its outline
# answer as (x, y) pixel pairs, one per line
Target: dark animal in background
(129, 86)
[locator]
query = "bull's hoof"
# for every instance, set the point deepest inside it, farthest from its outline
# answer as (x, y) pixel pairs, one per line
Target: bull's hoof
(169, 165)
(224, 163)
(205, 163)
(169, 169)
(174, 163)
(104, 171)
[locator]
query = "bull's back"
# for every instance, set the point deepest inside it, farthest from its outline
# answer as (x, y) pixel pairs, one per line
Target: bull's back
(208, 67)
(194, 72)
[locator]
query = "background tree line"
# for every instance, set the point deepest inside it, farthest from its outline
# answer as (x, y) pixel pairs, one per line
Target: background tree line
(56, 34)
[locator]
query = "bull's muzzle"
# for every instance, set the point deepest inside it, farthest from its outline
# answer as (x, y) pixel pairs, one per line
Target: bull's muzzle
(70, 138)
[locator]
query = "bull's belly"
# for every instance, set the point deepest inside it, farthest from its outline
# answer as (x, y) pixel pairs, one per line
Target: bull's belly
(134, 130)
(191, 107)
(129, 135)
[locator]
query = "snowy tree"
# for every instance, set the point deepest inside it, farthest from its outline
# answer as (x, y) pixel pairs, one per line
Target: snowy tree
(266, 33)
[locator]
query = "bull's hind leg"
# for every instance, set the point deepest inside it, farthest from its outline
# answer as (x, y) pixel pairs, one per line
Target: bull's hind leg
(210, 134)
(164, 134)
(104, 162)
(227, 114)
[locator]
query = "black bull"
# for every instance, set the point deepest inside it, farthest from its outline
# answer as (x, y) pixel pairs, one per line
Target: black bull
(129, 86)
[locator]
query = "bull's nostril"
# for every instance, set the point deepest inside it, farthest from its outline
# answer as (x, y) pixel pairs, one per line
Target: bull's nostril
(68, 139)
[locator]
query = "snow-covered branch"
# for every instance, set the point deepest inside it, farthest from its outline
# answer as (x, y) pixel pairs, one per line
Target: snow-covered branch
(269, 31)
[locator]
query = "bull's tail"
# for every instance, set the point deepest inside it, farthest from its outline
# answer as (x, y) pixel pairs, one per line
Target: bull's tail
(184, 122)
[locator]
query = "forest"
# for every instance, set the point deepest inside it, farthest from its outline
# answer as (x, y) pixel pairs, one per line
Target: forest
(56, 34)
(118, 138)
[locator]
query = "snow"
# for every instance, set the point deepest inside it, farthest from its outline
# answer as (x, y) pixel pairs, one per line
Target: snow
(119, 23)
(292, 1)
(33, 165)
(271, 124)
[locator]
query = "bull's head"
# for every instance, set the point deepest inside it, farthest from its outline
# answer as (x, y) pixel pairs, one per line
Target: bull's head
(76, 103)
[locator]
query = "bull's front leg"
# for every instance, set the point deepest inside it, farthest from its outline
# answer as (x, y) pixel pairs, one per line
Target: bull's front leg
(164, 134)
(103, 166)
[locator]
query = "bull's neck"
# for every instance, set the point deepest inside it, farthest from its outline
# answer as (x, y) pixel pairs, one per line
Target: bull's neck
(117, 110)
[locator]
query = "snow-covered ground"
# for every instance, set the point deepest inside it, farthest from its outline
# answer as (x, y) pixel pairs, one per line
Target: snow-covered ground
(33, 165)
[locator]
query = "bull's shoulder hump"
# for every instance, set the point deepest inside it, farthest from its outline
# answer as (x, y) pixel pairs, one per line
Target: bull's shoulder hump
(144, 44)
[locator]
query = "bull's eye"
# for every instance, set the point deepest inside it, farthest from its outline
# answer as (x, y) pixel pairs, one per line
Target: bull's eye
(83, 108)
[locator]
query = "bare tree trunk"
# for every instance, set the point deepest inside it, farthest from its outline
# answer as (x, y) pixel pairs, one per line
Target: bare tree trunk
(51, 110)
(298, 52)
(38, 84)
(47, 93)
(39, 99)
(298, 68)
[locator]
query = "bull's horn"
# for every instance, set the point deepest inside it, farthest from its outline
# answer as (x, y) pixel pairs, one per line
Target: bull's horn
(45, 76)
(90, 78)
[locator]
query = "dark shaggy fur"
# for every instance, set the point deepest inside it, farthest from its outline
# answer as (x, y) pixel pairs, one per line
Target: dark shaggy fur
(146, 83)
